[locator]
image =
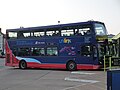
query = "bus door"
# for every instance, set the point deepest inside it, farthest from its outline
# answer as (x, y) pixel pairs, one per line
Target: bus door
(87, 54)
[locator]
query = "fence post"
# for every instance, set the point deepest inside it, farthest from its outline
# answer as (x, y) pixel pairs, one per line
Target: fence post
(110, 61)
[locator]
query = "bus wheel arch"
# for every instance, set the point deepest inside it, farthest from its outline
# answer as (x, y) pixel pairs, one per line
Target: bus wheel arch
(71, 65)
(22, 64)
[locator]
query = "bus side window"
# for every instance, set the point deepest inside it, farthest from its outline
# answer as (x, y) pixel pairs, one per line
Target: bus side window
(78, 32)
(56, 33)
(52, 51)
(20, 35)
(85, 31)
(86, 51)
(12, 35)
(95, 51)
(38, 34)
(69, 32)
(24, 51)
(36, 51)
(50, 33)
(24, 34)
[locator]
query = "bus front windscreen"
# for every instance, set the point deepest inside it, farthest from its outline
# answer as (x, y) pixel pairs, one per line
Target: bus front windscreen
(100, 29)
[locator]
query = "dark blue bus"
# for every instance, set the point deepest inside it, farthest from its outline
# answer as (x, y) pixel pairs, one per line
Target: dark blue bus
(64, 46)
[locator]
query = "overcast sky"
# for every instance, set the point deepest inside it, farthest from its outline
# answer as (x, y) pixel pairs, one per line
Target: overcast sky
(31, 13)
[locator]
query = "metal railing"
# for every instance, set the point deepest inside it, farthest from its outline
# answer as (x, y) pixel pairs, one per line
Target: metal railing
(110, 62)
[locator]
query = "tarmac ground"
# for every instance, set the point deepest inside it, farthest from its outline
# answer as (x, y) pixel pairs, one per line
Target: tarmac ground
(50, 79)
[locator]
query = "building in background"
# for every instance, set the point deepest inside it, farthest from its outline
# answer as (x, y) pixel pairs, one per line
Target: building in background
(116, 36)
(2, 44)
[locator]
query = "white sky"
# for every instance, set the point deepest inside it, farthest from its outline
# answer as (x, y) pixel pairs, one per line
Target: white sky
(31, 13)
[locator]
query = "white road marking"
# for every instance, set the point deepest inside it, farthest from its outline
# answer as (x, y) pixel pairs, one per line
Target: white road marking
(85, 73)
(81, 80)
(74, 86)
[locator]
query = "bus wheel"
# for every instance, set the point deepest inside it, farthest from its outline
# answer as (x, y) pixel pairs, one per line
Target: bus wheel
(22, 64)
(71, 66)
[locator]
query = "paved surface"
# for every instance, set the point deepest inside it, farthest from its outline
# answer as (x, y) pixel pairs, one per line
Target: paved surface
(38, 79)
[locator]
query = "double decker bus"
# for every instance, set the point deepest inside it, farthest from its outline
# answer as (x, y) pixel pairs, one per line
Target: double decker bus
(64, 46)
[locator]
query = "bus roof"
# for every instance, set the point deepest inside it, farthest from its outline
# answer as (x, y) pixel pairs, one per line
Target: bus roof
(53, 26)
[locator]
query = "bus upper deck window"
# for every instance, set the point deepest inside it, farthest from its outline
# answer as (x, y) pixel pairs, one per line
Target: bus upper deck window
(52, 33)
(12, 35)
(85, 31)
(67, 32)
(26, 34)
(39, 34)
(78, 32)
(22, 34)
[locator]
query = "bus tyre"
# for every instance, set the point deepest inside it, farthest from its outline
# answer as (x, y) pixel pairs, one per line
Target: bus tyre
(22, 64)
(71, 66)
